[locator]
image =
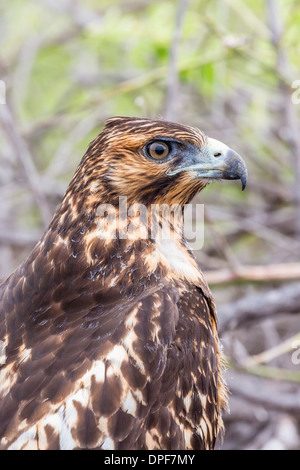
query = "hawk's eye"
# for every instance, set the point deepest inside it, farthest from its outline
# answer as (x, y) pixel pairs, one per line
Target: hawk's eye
(158, 150)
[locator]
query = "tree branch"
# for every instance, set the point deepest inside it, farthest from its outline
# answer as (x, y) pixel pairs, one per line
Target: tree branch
(173, 80)
(257, 307)
(23, 156)
(274, 272)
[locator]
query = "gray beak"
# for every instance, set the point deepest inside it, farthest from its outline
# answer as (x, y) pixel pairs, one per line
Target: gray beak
(216, 161)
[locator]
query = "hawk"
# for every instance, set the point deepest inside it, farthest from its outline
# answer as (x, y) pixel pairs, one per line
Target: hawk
(109, 341)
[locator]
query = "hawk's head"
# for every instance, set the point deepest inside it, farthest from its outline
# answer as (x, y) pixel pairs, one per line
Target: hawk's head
(154, 162)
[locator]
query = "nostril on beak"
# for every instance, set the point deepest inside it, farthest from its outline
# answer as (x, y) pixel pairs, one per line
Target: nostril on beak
(218, 154)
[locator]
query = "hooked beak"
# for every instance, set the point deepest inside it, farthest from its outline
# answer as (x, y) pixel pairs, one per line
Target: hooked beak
(216, 161)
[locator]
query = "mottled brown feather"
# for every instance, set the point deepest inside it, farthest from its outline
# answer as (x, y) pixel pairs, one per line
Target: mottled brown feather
(103, 350)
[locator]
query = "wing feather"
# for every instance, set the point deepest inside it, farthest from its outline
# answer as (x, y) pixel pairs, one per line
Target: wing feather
(105, 360)
(127, 376)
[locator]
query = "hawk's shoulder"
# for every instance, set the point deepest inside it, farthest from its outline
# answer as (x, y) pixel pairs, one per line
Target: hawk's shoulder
(99, 373)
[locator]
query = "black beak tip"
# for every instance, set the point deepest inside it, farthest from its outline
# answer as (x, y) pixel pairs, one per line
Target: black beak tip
(244, 179)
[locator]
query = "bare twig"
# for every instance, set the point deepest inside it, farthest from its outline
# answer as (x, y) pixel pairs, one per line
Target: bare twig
(261, 391)
(272, 353)
(20, 239)
(257, 307)
(173, 80)
(268, 372)
(276, 272)
(21, 151)
(65, 150)
(291, 119)
(151, 77)
(223, 247)
(247, 16)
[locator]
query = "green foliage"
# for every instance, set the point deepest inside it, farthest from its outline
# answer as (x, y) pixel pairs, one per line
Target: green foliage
(70, 65)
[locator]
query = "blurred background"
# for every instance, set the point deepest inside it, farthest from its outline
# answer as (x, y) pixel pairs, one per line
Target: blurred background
(229, 67)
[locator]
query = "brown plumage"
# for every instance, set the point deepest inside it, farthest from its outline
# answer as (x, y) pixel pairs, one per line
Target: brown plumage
(110, 342)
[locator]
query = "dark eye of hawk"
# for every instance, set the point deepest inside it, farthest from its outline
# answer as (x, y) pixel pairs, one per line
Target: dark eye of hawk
(158, 150)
